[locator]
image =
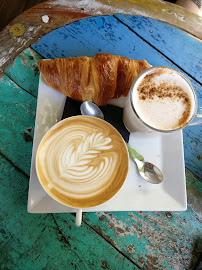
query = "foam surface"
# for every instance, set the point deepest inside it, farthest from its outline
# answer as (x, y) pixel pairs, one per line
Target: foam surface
(82, 161)
(163, 99)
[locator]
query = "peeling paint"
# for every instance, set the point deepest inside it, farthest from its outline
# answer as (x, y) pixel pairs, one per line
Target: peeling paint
(45, 18)
(143, 232)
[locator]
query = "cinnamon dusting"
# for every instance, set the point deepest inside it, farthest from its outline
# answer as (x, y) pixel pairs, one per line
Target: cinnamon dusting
(148, 90)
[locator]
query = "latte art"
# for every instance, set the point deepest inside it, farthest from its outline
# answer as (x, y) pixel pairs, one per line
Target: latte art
(81, 162)
(77, 163)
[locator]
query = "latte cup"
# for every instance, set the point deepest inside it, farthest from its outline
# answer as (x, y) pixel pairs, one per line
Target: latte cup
(82, 162)
(161, 99)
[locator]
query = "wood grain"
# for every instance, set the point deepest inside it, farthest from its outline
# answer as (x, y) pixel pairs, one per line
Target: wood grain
(65, 12)
(49, 241)
(102, 35)
(17, 118)
(172, 42)
(107, 34)
(117, 240)
(154, 240)
(24, 71)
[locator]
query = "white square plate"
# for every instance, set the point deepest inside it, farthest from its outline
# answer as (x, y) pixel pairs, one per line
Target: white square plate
(165, 151)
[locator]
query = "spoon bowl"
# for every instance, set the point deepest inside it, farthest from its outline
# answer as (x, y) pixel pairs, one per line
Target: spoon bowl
(89, 108)
(148, 171)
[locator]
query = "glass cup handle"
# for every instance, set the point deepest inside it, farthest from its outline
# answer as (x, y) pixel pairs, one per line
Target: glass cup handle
(197, 119)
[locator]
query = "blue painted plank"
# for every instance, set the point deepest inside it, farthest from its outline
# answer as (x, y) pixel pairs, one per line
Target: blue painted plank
(101, 34)
(184, 51)
(107, 34)
(192, 136)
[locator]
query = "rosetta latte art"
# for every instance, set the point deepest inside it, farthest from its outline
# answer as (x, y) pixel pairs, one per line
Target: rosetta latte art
(82, 161)
(76, 162)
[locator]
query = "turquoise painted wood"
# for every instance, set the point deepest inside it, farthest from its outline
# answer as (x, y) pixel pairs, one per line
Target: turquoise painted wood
(24, 71)
(17, 117)
(50, 241)
(142, 234)
(117, 240)
(107, 34)
(172, 42)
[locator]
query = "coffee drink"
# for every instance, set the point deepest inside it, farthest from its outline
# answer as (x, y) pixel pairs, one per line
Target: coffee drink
(82, 161)
(162, 99)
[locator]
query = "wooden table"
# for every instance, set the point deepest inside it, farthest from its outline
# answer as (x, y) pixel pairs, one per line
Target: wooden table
(106, 240)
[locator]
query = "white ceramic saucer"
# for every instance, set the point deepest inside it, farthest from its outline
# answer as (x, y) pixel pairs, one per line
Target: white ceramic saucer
(166, 152)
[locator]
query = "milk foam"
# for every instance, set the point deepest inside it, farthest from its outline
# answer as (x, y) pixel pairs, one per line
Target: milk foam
(79, 160)
(163, 100)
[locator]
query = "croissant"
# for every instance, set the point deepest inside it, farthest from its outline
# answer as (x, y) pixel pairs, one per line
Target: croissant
(96, 79)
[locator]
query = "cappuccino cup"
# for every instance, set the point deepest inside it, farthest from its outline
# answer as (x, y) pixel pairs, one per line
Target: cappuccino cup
(161, 99)
(82, 162)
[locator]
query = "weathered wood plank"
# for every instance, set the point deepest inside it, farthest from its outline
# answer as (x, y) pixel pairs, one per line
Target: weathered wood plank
(184, 50)
(156, 9)
(156, 240)
(102, 34)
(192, 137)
(106, 34)
(18, 109)
(147, 238)
(194, 192)
(24, 71)
(62, 12)
(49, 241)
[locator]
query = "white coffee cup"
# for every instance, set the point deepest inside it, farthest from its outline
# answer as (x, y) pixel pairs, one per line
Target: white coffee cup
(141, 108)
(82, 162)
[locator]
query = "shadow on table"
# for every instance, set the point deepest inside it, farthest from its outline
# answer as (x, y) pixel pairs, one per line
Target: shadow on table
(196, 259)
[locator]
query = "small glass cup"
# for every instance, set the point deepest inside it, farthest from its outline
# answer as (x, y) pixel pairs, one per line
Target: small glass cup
(133, 121)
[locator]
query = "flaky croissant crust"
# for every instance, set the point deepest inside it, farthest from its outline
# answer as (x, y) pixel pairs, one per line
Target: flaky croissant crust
(96, 79)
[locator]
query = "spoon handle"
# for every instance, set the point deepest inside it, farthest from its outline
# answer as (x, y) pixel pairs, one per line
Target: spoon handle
(134, 154)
